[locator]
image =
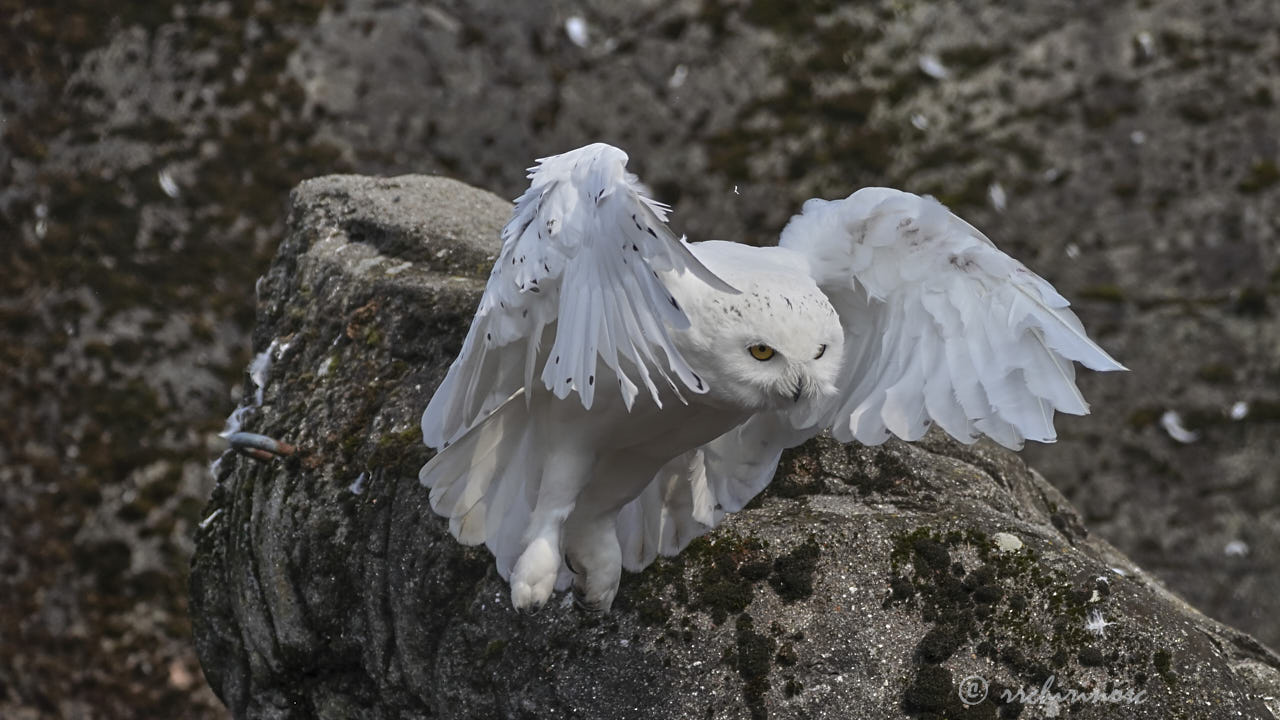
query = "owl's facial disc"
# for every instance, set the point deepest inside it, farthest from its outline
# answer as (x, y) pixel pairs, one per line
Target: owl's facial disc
(780, 376)
(765, 350)
(776, 343)
(765, 353)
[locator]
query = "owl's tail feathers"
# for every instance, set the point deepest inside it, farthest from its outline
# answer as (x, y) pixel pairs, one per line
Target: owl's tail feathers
(693, 492)
(669, 513)
(486, 482)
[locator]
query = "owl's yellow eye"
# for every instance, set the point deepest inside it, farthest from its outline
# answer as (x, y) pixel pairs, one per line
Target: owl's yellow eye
(760, 352)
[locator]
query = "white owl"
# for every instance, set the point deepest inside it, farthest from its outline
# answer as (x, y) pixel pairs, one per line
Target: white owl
(620, 390)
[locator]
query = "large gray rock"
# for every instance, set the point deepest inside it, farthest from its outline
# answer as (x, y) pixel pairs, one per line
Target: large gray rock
(865, 583)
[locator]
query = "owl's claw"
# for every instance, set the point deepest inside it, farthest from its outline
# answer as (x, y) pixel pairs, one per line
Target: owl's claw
(528, 610)
(569, 564)
(580, 601)
(601, 605)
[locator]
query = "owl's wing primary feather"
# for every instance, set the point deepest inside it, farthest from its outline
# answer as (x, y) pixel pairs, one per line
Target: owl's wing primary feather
(578, 268)
(940, 326)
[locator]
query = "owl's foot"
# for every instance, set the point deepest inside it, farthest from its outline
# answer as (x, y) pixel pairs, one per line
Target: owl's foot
(534, 576)
(594, 557)
(580, 600)
(598, 602)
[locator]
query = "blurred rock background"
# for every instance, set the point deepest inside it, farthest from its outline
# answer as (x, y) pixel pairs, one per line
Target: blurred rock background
(1127, 151)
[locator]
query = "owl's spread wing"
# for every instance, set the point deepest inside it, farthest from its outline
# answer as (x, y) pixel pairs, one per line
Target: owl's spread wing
(579, 269)
(940, 326)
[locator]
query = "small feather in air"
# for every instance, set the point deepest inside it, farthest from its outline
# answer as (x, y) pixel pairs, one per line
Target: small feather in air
(930, 65)
(1240, 410)
(576, 28)
(1171, 421)
(1236, 548)
(42, 222)
(1146, 44)
(678, 76)
(998, 197)
(168, 184)
(919, 121)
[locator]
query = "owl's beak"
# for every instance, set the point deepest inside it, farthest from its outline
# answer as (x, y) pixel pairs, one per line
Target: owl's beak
(799, 390)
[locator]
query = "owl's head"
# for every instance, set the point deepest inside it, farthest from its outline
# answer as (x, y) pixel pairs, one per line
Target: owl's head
(776, 344)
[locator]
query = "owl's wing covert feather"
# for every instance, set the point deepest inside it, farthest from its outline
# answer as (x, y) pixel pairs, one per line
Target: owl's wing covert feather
(578, 268)
(940, 326)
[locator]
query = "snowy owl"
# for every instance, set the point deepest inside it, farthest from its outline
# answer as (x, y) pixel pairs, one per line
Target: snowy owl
(621, 390)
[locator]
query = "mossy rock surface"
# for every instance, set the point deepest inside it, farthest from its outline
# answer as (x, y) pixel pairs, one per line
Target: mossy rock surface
(866, 583)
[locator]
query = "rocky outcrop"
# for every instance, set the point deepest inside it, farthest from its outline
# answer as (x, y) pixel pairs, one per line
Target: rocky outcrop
(928, 580)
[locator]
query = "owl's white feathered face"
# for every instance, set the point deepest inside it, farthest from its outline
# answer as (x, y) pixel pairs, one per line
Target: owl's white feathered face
(766, 348)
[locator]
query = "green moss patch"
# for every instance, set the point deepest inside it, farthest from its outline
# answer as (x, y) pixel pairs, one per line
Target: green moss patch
(1010, 607)
(1262, 175)
(730, 569)
(793, 573)
(754, 660)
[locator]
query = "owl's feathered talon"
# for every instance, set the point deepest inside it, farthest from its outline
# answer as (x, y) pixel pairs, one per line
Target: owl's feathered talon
(534, 576)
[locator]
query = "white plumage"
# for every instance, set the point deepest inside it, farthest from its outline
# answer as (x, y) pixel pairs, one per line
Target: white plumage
(694, 366)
